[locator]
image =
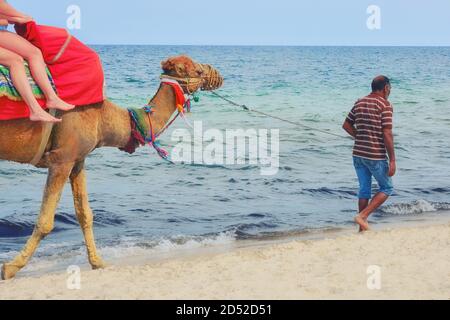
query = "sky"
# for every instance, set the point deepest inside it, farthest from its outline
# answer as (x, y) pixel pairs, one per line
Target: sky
(249, 22)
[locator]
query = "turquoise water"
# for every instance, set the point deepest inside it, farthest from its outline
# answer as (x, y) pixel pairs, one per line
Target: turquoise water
(145, 206)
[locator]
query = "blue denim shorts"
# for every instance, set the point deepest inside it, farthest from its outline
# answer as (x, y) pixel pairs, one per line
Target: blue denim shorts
(366, 169)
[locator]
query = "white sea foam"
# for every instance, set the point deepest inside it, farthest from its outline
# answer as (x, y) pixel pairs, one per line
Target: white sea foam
(416, 207)
(128, 249)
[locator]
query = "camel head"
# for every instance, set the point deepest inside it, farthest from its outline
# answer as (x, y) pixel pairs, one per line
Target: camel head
(192, 76)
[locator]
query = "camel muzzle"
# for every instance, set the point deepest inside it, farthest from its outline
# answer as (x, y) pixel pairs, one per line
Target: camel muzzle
(212, 79)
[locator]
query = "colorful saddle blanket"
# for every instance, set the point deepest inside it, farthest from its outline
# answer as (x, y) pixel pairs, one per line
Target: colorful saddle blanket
(7, 89)
(12, 105)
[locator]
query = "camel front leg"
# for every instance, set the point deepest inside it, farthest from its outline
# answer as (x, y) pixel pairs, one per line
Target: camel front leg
(84, 213)
(57, 177)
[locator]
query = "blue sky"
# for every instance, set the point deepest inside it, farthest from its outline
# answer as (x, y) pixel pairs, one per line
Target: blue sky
(249, 22)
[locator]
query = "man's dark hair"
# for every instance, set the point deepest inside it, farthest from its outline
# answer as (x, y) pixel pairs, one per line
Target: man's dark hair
(379, 83)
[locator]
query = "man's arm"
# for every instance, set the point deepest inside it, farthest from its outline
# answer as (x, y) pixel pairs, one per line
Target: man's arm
(389, 143)
(349, 128)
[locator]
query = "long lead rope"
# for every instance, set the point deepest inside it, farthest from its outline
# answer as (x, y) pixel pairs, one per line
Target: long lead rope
(246, 108)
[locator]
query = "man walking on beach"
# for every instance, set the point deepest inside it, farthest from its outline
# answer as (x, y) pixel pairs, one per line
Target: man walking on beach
(370, 123)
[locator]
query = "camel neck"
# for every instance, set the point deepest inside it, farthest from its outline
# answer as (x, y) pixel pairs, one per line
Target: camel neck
(163, 106)
(115, 125)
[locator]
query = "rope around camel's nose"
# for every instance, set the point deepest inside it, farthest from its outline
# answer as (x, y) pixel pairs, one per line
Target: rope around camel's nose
(214, 79)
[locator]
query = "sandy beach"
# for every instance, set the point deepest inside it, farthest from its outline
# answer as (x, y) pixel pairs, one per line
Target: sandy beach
(408, 263)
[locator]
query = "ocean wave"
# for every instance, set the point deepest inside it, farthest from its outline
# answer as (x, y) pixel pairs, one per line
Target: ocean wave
(261, 232)
(433, 190)
(23, 226)
(246, 231)
(416, 207)
(15, 229)
(343, 192)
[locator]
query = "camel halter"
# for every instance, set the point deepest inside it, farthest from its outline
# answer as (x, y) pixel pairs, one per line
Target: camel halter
(210, 80)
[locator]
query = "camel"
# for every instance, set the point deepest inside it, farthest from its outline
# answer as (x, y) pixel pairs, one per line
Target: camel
(83, 130)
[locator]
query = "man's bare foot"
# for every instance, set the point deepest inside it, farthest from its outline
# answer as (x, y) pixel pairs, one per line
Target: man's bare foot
(363, 224)
(44, 117)
(57, 103)
(360, 229)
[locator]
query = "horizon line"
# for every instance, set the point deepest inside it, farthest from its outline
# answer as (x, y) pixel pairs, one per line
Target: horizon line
(272, 45)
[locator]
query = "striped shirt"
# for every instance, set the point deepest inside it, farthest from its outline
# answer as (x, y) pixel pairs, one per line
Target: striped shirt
(370, 116)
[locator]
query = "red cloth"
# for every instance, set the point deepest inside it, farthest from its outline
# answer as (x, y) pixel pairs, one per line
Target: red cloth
(78, 73)
(11, 110)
